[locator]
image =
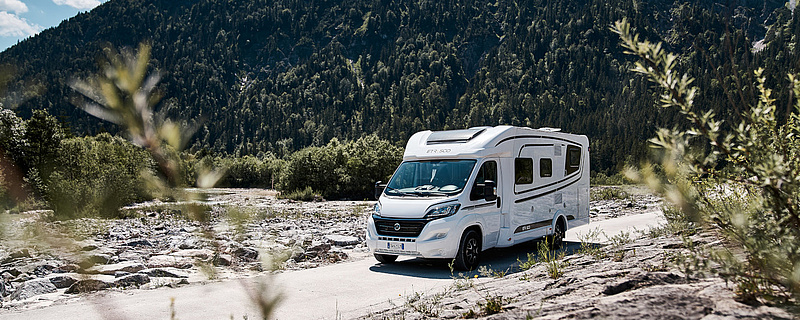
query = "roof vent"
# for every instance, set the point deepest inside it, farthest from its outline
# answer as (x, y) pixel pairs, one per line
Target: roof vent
(548, 129)
(454, 136)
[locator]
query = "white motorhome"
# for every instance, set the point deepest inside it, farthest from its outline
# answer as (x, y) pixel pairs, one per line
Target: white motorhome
(460, 192)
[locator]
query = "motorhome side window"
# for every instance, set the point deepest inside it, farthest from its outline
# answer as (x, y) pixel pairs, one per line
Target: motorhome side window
(488, 171)
(545, 167)
(573, 159)
(523, 170)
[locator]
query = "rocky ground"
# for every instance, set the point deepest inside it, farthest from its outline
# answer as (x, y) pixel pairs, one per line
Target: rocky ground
(634, 276)
(629, 279)
(250, 231)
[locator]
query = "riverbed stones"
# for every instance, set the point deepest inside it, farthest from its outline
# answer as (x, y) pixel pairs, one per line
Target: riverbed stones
(341, 240)
(161, 261)
(164, 273)
(87, 285)
(62, 281)
(136, 279)
(32, 288)
(111, 269)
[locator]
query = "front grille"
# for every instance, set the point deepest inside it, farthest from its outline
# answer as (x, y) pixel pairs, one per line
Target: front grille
(408, 227)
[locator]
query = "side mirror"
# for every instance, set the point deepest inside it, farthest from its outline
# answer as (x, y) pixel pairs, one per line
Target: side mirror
(379, 186)
(489, 190)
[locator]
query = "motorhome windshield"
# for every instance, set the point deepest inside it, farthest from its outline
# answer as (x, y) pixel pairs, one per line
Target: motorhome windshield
(430, 178)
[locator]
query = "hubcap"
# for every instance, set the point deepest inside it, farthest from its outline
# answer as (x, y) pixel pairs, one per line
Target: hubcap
(559, 234)
(471, 250)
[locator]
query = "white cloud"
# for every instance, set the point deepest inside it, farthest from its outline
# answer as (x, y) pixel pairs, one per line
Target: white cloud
(78, 4)
(13, 5)
(14, 26)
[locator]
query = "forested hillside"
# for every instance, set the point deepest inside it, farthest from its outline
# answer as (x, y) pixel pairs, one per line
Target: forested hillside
(279, 75)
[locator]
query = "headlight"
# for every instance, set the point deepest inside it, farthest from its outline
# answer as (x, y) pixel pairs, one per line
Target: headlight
(442, 211)
(377, 210)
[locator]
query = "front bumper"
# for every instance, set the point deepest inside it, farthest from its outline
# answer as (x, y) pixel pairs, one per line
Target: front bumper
(436, 240)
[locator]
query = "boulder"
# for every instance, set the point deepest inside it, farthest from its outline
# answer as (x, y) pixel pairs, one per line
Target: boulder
(32, 288)
(111, 269)
(246, 254)
(132, 280)
(139, 243)
(24, 253)
(94, 259)
(223, 260)
(62, 281)
(164, 273)
(340, 240)
(87, 285)
(193, 253)
(161, 261)
(67, 268)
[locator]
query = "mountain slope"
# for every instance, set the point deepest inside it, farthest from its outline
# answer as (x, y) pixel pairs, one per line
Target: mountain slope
(265, 75)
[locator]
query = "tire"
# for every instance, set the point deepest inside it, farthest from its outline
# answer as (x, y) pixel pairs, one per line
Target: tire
(557, 239)
(469, 250)
(385, 258)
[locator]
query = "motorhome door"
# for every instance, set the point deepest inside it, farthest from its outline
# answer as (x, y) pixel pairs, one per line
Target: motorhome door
(539, 173)
(488, 210)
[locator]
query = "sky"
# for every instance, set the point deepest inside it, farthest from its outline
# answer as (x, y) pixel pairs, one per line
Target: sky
(20, 19)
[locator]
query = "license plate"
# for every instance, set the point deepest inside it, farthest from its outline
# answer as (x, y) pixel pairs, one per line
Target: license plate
(395, 246)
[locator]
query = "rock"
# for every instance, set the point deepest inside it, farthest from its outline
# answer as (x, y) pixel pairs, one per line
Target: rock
(161, 261)
(164, 273)
(4, 291)
(111, 269)
(132, 256)
(194, 253)
(130, 280)
(319, 247)
(246, 254)
(223, 260)
(11, 272)
(89, 247)
(87, 285)
(621, 286)
(139, 243)
(43, 269)
(190, 243)
(62, 281)
(67, 268)
(94, 259)
(340, 240)
(24, 253)
(32, 288)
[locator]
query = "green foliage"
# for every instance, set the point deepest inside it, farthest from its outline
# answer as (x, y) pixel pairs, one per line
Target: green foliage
(601, 179)
(306, 194)
(342, 170)
(552, 260)
(281, 75)
(590, 244)
(755, 203)
(609, 193)
(96, 176)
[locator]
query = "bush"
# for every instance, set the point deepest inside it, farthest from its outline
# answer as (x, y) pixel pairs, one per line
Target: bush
(306, 194)
(755, 203)
(96, 176)
(341, 170)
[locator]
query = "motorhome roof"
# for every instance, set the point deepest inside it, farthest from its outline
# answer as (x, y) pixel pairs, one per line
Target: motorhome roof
(471, 143)
(454, 136)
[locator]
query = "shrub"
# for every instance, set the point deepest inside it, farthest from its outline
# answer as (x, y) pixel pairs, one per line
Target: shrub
(96, 176)
(754, 204)
(341, 170)
(306, 194)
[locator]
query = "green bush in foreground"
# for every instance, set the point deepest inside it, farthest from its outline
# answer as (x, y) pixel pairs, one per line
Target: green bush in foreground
(754, 204)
